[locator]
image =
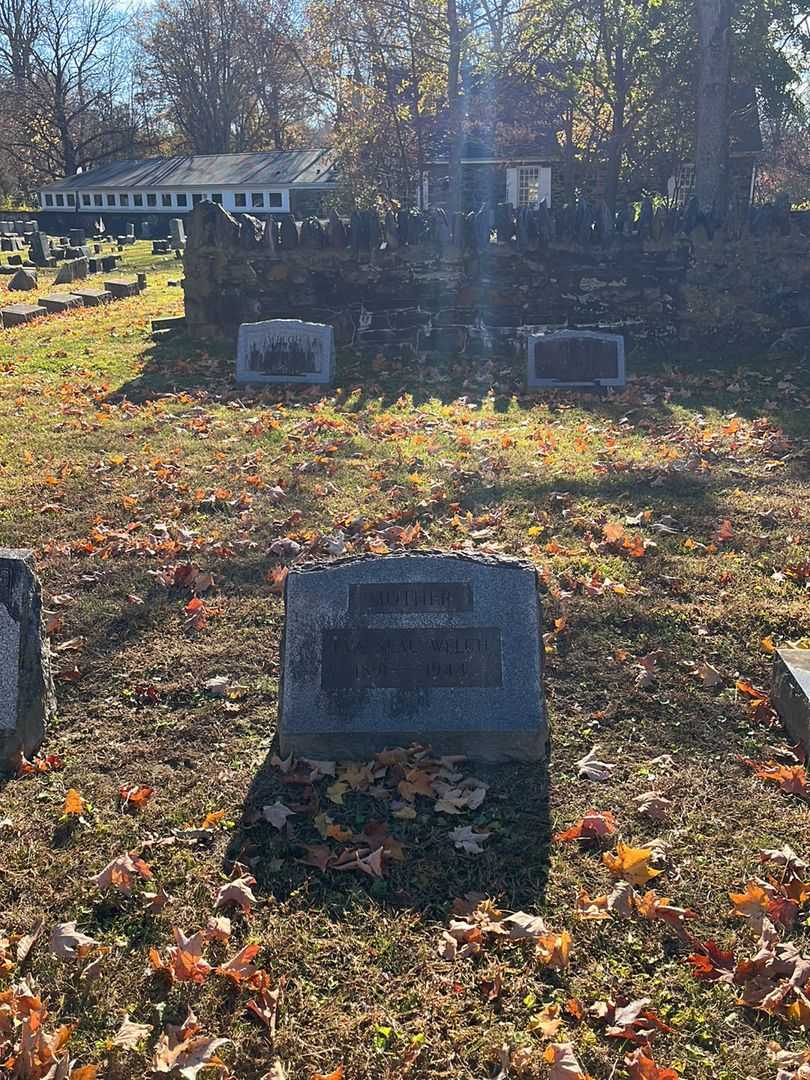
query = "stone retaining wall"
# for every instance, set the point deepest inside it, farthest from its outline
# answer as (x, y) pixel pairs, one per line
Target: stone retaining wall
(424, 287)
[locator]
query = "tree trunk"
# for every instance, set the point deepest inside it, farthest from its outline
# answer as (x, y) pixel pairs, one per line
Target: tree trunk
(711, 151)
(455, 110)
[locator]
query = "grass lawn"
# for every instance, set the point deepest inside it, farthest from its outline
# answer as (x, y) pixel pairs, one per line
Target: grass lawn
(670, 526)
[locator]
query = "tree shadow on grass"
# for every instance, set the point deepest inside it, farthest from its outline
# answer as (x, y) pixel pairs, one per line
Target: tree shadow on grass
(513, 867)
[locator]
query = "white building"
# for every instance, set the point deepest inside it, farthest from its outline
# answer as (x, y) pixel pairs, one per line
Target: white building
(276, 181)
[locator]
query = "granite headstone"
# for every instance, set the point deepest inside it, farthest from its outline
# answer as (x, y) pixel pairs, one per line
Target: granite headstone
(285, 351)
(27, 699)
(791, 692)
(575, 358)
(438, 648)
(178, 233)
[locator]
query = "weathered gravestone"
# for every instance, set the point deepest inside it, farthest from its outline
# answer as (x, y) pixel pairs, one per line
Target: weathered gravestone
(442, 649)
(27, 699)
(791, 692)
(178, 233)
(41, 250)
(77, 237)
(285, 351)
(575, 358)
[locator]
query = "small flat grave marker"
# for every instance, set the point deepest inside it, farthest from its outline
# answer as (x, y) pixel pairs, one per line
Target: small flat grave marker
(121, 287)
(575, 358)
(791, 692)
(26, 689)
(441, 649)
(285, 351)
(56, 302)
(19, 314)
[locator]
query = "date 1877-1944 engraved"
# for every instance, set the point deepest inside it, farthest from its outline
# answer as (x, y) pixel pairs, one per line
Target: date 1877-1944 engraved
(411, 658)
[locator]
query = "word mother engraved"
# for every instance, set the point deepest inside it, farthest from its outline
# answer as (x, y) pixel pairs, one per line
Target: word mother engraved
(399, 659)
(414, 596)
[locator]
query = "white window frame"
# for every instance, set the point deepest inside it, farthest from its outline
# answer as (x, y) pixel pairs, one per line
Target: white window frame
(528, 185)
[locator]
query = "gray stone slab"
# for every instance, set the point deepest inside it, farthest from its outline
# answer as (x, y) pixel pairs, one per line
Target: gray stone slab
(93, 297)
(56, 302)
(121, 287)
(441, 649)
(285, 351)
(27, 699)
(18, 314)
(790, 692)
(575, 358)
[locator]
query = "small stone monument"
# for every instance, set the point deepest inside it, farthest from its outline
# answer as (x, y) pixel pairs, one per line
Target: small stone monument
(178, 233)
(575, 358)
(791, 692)
(285, 351)
(27, 699)
(442, 649)
(41, 249)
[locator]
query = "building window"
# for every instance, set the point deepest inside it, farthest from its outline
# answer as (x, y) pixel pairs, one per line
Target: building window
(124, 200)
(275, 198)
(166, 199)
(197, 198)
(48, 200)
(137, 199)
(85, 199)
(182, 198)
(71, 200)
(60, 200)
(110, 200)
(256, 198)
(528, 185)
(97, 199)
(240, 199)
(217, 198)
(151, 199)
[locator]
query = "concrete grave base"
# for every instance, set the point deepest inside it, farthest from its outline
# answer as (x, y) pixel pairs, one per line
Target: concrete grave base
(54, 303)
(19, 314)
(790, 692)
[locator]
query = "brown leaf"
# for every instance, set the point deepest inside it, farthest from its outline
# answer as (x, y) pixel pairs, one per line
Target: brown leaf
(239, 967)
(27, 941)
(122, 873)
(594, 824)
(237, 892)
(135, 796)
(130, 1034)
(563, 1063)
(68, 943)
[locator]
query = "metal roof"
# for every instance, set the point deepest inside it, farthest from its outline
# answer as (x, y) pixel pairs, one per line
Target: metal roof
(273, 168)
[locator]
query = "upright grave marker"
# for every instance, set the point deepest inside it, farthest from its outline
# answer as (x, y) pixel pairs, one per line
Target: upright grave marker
(575, 358)
(178, 233)
(27, 698)
(285, 351)
(442, 649)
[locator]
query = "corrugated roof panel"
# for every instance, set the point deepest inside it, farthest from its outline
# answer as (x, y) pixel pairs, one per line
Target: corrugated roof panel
(269, 169)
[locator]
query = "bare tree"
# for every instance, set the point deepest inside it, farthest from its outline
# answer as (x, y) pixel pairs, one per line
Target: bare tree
(225, 73)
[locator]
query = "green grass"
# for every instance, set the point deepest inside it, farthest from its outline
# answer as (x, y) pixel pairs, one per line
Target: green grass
(111, 446)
